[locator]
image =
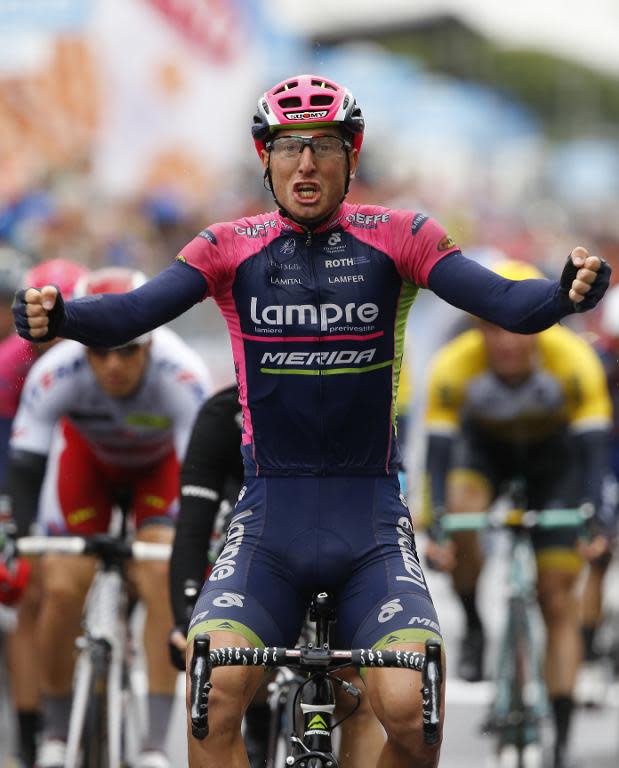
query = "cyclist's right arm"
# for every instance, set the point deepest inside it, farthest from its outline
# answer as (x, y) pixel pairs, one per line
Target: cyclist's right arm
(110, 320)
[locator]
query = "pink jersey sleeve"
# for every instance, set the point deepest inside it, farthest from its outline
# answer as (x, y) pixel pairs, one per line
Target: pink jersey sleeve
(212, 253)
(418, 244)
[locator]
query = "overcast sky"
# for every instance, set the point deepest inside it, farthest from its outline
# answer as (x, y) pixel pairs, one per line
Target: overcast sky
(586, 30)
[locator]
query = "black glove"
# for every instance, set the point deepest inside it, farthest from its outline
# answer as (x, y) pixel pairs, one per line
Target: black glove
(597, 290)
(177, 657)
(55, 317)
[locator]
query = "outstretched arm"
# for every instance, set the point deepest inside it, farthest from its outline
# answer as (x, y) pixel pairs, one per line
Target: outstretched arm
(109, 320)
(525, 306)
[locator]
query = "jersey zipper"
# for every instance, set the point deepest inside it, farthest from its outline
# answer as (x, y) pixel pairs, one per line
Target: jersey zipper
(309, 241)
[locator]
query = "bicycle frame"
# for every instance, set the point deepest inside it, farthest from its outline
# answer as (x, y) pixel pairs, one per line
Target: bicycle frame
(316, 663)
(520, 705)
(104, 712)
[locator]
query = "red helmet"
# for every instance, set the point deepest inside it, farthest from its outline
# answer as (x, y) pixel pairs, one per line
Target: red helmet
(109, 280)
(59, 272)
(307, 101)
(112, 280)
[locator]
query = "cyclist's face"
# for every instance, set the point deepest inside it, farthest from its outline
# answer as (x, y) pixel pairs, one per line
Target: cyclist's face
(309, 187)
(512, 356)
(119, 372)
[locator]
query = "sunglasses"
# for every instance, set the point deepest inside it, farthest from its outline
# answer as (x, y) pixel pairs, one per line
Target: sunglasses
(127, 351)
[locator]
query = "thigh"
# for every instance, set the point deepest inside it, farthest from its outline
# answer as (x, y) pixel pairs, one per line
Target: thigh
(255, 588)
(75, 497)
(386, 601)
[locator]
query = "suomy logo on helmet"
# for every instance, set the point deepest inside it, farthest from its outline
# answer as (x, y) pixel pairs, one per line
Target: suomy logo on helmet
(316, 114)
(304, 314)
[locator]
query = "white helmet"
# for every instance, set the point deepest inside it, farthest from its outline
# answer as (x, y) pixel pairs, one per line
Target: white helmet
(609, 322)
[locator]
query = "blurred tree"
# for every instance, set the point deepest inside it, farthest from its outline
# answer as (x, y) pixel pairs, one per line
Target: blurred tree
(570, 98)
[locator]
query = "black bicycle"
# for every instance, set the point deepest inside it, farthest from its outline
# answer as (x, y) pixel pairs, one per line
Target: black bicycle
(317, 663)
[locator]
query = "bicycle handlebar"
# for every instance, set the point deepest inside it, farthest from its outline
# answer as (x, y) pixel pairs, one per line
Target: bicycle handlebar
(515, 518)
(309, 659)
(98, 544)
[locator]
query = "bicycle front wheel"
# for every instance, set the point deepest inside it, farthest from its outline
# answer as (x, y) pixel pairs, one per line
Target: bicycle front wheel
(95, 741)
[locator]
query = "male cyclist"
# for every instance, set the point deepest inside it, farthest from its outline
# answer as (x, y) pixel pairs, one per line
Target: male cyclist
(124, 416)
(316, 296)
(211, 478)
(17, 356)
(504, 406)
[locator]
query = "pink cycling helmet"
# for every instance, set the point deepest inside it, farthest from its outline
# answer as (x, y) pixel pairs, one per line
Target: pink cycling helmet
(62, 273)
(307, 101)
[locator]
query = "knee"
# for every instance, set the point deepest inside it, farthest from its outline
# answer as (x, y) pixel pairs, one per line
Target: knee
(403, 723)
(225, 712)
(151, 578)
(557, 603)
(63, 587)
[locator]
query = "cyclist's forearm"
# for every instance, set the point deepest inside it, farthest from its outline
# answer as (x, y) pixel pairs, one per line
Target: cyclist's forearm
(524, 306)
(190, 552)
(113, 319)
(437, 465)
(594, 455)
(24, 477)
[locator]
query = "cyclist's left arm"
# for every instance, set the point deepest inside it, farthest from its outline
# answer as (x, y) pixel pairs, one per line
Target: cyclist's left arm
(426, 256)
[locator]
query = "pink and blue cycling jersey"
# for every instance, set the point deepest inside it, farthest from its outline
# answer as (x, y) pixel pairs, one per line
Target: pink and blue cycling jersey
(317, 320)
(317, 327)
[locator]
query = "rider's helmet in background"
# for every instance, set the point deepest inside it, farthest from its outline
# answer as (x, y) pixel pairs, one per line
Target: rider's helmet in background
(112, 280)
(109, 280)
(307, 101)
(609, 321)
(62, 273)
(513, 269)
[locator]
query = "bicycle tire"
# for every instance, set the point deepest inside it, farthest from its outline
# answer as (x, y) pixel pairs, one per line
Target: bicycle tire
(95, 746)
(281, 725)
(521, 727)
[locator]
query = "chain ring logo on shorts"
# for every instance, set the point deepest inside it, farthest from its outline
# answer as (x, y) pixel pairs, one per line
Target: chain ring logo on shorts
(229, 600)
(389, 610)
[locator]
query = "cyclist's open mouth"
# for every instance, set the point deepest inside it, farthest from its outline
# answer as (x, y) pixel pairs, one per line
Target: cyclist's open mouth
(306, 192)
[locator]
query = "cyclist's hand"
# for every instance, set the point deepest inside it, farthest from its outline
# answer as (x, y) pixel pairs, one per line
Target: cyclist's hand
(177, 646)
(595, 548)
(585, 278)
(38, 313)
(441, 556)
(14, 578)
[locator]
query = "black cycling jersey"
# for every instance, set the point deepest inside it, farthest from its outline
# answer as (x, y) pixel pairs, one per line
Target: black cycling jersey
(212, 472)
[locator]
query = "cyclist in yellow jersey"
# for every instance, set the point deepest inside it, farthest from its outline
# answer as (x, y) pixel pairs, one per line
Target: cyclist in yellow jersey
(500, 406)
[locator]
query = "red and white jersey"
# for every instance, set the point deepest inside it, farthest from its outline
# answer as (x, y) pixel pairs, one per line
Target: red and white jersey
(133, 431)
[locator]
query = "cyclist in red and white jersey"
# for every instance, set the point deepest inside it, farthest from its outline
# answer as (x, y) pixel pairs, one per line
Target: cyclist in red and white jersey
(316, 296)
(94, 424)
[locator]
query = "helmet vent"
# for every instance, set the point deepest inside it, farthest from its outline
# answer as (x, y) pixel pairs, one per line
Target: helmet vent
(265, 106)
(321, 100)
(289, 101)
(323, 84)
(286, 86)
